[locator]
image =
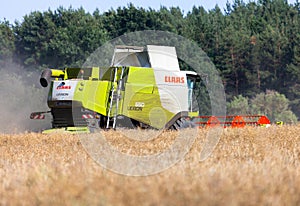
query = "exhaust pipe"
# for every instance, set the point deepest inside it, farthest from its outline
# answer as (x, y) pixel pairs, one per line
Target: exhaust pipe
(48, 73)
(45, 77)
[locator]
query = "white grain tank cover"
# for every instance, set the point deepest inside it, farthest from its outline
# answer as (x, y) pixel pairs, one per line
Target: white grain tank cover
(163, 57)
(171, 82)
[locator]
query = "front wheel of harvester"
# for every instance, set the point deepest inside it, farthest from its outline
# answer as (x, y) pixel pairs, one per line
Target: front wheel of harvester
(102, 122)
(183, 123)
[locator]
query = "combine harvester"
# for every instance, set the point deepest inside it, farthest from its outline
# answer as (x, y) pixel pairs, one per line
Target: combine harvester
(144, 87)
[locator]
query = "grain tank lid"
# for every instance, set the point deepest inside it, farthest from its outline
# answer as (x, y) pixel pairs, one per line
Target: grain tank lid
(154, 56)
(163, 57)
(130, 56)
(128, 49)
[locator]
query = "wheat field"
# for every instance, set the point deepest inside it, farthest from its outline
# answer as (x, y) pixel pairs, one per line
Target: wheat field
(249, 166)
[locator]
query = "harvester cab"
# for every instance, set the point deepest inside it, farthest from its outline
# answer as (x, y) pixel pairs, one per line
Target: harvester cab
(143, 87)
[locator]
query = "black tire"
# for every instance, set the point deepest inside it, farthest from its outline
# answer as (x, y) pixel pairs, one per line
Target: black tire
(183, 123)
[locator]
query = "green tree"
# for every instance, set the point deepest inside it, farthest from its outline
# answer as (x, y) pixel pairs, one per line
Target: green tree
(292, 82)
(274, 105)
(238, 106)
(32, 36)
(77, 35)
(7, 46)
(197, 26)
(58, 39)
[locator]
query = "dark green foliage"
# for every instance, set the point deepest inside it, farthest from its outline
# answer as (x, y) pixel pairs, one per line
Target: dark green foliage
(7, 46)
(272, 104)
(58, 39)
(238, 106)
(255, 46)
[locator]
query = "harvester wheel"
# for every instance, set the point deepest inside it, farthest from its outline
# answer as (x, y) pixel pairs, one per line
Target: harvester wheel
(183, 123)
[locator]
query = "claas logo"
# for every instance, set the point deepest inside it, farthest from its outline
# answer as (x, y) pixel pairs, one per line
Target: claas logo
(63, 86)
(172, 79)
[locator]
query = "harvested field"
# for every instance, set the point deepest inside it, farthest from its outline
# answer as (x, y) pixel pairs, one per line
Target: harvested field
(250, 166)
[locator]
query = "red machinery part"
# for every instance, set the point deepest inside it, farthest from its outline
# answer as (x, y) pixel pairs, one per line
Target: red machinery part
(88, 116)
(263, 120)
(238, 121)
(235, 121)
(213, 121)
(37, 116)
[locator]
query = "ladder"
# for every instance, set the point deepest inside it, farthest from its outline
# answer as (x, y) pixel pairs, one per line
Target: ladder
(115, 96)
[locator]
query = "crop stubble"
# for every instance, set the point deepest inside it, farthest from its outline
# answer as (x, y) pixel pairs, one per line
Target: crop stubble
(249, 166)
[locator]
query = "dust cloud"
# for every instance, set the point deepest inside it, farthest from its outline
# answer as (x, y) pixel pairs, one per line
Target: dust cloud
(21, 94)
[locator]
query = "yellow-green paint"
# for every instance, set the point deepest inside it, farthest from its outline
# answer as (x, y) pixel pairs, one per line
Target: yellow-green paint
(69, 130)
(95, 73)
(93, 95)
(139, 75)
(142, 100)
(57, 73)
(193, 114)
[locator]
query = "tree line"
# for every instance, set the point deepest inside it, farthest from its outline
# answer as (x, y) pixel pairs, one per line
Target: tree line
(255, 46)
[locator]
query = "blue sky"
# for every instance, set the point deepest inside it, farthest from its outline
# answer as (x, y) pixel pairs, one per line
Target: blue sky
(13, 10)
